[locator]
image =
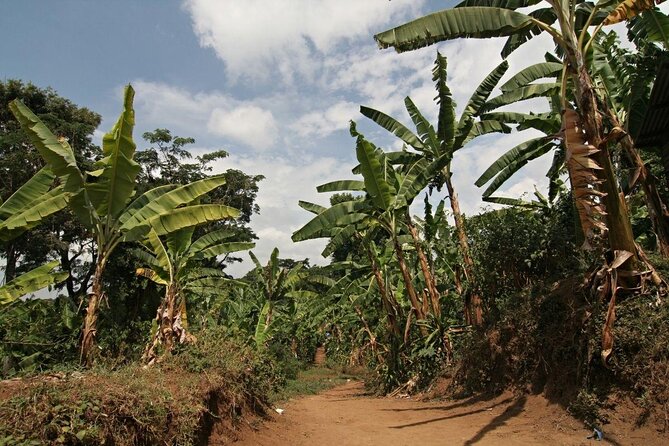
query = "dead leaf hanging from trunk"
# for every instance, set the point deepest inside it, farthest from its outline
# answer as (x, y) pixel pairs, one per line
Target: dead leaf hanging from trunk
(584, 181)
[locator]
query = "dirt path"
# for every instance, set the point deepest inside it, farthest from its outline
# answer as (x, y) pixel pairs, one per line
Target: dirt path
(347, 416)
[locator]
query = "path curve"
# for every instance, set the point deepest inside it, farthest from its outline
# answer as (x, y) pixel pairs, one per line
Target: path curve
(346, 415)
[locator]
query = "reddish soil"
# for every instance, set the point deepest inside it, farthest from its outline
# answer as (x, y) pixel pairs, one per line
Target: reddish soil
(346, 415)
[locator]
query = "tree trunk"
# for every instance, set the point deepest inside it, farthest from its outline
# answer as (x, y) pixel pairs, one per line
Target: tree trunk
(388, 303)
(424, 266)
(472, 300)
(617, 219)
(12, 257)
(656, 208)
(169, 326)
(411, 291)
(91, 320)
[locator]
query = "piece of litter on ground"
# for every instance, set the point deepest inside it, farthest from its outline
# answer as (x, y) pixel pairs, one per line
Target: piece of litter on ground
(348, 380)
(596, 435)
(279, 411)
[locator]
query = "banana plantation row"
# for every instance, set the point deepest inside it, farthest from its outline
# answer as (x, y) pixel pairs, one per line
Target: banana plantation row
(403, 294)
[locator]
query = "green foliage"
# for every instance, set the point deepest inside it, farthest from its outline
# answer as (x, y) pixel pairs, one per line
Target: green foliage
(135, 406)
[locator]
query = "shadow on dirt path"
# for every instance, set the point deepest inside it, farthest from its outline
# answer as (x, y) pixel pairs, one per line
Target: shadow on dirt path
(346, 415)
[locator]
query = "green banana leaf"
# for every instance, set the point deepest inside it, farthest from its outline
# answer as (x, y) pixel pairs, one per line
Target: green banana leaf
(530, 74)
(33, 280)
(115, 185)
(342, 185)
(393, 126)
(477, 22)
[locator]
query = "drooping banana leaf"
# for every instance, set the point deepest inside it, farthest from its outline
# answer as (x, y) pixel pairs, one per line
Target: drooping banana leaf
(342, 185)
(477, 22)
(311, 207)
(188, 216)
(341, 214)
(530, 74)
(33, 280)
(56, 152)
(34, 212)
(393, 126)
(35, 188)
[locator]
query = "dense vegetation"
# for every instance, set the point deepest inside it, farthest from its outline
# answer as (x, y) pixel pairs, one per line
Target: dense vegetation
(562, 293)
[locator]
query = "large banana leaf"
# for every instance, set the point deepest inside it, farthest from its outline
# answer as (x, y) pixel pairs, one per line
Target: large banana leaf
(476, 102)
(166, 202)
(212, 238)
(393, 126)
(56, 152)
(188, 216)
(477, 22)
(521, 94)
(512, 161)
(115, 185)
(342, 185)
(652, 26)
(30, 282)
(530, 74)
(507, 4)
(33, 213)
(372, 168)
(341, 214)
(311, 207)
(340, 238)
(35, 188)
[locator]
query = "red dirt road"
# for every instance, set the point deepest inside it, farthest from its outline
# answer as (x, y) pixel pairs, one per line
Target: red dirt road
(347, 416)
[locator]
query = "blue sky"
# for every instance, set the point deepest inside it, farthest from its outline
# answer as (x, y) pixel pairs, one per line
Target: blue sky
(273, 82)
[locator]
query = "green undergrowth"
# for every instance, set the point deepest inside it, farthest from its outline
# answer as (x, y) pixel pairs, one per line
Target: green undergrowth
(310, 382)
(174, 403)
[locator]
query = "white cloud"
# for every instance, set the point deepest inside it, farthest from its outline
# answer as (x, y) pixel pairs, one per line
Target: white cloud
(253, 37)
(286, 182)
(322, 123)
(247, 124)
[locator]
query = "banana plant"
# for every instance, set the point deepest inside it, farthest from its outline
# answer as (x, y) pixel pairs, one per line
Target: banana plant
(278, 286)
(574, 37)
(102, 199)
(389, 193)
(177, 264)
(24, 209)
(452, 134)
(587, 134)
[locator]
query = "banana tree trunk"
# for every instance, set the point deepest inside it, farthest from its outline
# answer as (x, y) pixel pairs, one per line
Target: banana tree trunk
(424, 266)
(170, 326)
(656, 208)
(92, 312)
(411, 291)
(472, 300)
(388, 302)
(617, 219)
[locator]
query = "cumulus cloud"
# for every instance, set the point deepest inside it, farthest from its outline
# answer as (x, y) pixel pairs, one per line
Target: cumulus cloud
(287, 180)
(247, 124)
(255, 37)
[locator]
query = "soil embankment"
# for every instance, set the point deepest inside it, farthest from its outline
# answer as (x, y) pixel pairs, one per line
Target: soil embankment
(346, 415)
